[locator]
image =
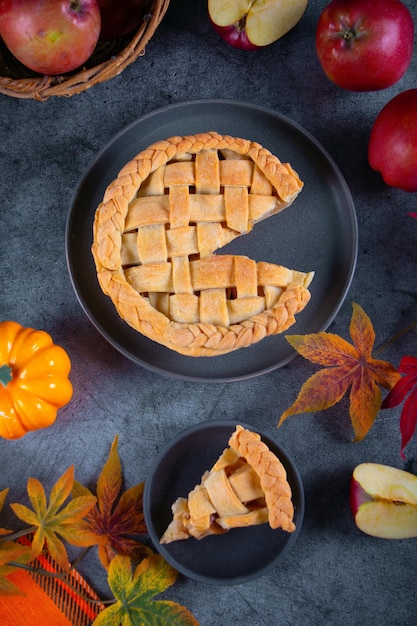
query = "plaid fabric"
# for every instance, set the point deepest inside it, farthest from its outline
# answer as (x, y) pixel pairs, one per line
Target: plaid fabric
(47, 600)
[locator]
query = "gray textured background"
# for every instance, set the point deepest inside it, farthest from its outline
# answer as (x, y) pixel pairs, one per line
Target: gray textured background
(334, 574)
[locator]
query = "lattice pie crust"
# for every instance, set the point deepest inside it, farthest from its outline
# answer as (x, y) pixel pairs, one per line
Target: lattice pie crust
(246, 486)
(158, 226)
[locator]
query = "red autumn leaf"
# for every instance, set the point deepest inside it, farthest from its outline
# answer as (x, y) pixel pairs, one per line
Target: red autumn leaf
(117, 517)
(406, 388)
(348, 366)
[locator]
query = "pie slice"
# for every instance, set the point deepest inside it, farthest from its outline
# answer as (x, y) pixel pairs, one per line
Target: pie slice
(157, 229)
(246, 486)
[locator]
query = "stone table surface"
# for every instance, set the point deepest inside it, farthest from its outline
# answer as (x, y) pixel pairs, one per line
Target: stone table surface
(334, 574)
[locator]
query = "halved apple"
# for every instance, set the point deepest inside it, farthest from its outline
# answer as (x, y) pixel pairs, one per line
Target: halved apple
(383, 500)
(253, 24)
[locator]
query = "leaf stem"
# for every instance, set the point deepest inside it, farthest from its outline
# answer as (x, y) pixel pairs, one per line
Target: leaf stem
(80, 557)
(17, 534)
(395, 337)
(64, 577)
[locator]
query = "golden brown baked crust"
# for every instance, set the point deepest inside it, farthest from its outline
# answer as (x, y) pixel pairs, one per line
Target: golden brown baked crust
(246, 486)
(158, 226)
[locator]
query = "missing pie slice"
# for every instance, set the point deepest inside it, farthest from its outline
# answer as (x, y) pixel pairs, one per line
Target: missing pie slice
(157, 229)
(246, 486)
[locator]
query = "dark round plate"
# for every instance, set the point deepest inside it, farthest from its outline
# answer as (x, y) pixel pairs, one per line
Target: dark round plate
(240, 554)
(318, 232)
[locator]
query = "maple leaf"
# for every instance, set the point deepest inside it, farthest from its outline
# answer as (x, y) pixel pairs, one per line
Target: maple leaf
(349, 366)
(135, 591)
(3, 496)
(11, 552)
(49, 521)
(111, 524)
(405, 388)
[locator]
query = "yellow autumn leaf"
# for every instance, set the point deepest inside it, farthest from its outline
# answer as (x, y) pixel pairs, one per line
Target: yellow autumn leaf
(52, 519)
(3, 496)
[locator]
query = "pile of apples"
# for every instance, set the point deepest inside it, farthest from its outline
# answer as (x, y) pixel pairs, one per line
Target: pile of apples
(362, 45)
(59, 36)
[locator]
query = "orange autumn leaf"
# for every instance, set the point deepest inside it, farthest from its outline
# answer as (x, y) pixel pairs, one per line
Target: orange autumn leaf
(3, 495)
(11, 555)
(117, 517)
(56, 518)
(348, 366)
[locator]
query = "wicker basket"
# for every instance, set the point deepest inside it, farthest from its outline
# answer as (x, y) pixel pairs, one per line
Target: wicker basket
(108, 60)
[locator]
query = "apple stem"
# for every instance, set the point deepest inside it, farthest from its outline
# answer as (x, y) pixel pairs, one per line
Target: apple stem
(350, 33)
(349, 36)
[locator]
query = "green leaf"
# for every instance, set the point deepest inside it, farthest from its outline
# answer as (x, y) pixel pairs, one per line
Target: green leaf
(134, 592)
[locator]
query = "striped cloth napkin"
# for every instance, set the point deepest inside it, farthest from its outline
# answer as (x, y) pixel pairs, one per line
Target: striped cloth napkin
(47, 600)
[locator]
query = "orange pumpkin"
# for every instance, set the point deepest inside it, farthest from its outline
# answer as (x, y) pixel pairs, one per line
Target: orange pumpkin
(34, 380)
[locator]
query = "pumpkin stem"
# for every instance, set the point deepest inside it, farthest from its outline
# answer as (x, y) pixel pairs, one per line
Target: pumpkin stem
(5, 375)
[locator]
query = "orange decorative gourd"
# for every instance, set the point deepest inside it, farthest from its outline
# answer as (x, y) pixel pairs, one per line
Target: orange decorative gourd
(34, 381)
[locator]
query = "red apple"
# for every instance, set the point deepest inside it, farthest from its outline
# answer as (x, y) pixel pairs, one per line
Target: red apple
(50, 36)
(253, 24)
(392, 148)
(383, 500)
(364, 45)
(121, 17)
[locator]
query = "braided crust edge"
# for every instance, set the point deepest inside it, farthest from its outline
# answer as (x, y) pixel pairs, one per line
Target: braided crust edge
(187, 339)
(271, 473)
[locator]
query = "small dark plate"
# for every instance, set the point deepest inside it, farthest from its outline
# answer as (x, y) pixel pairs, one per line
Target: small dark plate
(236, 556)
(317, 233)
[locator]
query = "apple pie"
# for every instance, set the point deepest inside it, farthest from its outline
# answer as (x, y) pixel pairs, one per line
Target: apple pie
(246, 486)
(157, 229)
